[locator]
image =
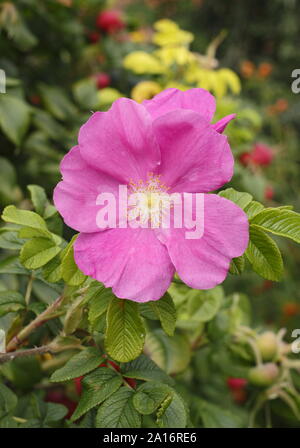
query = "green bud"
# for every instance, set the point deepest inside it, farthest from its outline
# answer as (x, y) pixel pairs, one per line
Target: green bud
(268, 345)
(263, 375)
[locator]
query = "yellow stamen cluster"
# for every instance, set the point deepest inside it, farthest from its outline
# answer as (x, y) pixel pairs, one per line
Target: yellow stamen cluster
(150, 200)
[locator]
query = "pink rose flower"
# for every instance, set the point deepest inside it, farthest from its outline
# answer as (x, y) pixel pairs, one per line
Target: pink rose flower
(170, 136)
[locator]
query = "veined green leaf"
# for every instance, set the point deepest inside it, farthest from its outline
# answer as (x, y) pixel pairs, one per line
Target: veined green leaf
(97, 387)
(264, 255)
(38, 198)
(282, 222)
(52, 270)
(143, 368)
(11, 301)
(14, 117)
(9, 238)
(70, 272)
(23, 218)
(37, 252)
(253, 208)
(99, 299)
(149, 397)
(172, 413)
(170, 354)
(125, 332)
(239, 198)
(118, 411)
(8, 400)
(80, 364)
(165, 310)
(237, 265)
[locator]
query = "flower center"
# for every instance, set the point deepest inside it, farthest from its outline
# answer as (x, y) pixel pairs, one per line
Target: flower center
(148, 200)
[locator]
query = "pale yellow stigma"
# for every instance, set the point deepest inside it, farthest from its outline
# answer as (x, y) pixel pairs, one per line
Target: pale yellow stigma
(148, 200)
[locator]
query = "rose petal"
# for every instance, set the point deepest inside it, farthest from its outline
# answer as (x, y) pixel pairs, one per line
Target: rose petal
(198, 100)
(75, 197)
(203, 263)
(221, 124)
(194, 157)
(120, 142)
(131, 261)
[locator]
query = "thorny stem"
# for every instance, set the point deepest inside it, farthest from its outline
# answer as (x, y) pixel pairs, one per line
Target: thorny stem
(46, 315)
(5, 357)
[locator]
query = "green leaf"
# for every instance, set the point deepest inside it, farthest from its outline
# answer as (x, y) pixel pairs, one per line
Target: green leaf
(204, 305)
(38, 198)
(118, 411)
(264, 255)
(55, 412)
(9, 239)
(37, 252)
(9, 191)
(99, 299)
(11, 301)
(74, 315)
(281, 222)
(57, 102)
(125, 332)
(97, 387)
(85, 92)
(30, 232)
(8, 401)
(165, 310)
(12, 265)
(23, 218)
(237, 265)
(171, 354)
(253, 208)
(80, 364)
(240, 199)
(70, 272)
(52, 270)
(143, 368)
(48, 125)
(14, 117)
(88, 421)
(214, 416)
(172, 413)
(20, 33)
(149, 396)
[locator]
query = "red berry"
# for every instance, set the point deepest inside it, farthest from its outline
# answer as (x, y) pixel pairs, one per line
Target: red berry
(94, 37)
(102, 80)
(245, 158)
(262, 154)
(110, 21)
(236, 383)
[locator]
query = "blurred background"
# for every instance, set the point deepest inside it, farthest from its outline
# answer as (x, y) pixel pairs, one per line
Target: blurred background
(65, 58)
